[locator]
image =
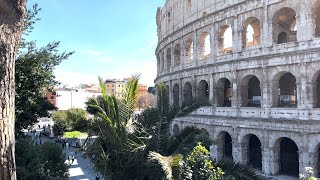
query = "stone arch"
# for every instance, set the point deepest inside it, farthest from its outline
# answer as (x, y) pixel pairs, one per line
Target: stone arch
(189, 50)
(224, 93)
(225, 40)
(177, 54)
(286, 157)
(204, 45)
(187, 94)
(224, 145)
(175, 130)
(284, 90)
(250, 91)
(168, 58)
(203, 91)
(251, 32)
(252, 151)
(176, 94)
(316, 20)
(284, 26)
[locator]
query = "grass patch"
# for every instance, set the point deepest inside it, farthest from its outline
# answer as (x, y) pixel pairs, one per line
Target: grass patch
(74, 134)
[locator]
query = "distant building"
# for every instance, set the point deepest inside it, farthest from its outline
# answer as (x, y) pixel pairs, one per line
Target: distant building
(142, 90)
(66, 98)
(116, 87)
(51, 97)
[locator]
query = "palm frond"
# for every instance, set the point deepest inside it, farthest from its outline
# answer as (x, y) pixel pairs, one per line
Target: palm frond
(237, 170)
(166, 162)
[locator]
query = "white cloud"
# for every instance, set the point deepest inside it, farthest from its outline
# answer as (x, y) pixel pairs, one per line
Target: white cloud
(92, 52)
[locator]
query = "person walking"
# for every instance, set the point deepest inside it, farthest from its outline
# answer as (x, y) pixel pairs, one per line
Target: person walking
(72, 159)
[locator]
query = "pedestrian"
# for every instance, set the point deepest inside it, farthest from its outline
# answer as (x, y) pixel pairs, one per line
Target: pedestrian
(39, 126)
(72, 159)
(68, 159)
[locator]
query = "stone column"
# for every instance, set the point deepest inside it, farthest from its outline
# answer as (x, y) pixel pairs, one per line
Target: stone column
(267, 38)
(213, 52)
(170, 93)
(180, 92)
(236, 36)
(182, 51)
(303, 160)
(302, 33)
(267, 160)
(234, 99)
(195, 49)
(274, 164)
(211, 86)
(165, 61)
(194, 87)
(236, 151)
(172, 57)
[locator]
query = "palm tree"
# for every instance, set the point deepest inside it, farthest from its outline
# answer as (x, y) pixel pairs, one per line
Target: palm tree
(120, 139)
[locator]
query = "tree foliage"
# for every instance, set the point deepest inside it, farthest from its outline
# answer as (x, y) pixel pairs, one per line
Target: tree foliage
(74, 119)
(40, 162)
(34, 75)
(197, 165)
(120, 140)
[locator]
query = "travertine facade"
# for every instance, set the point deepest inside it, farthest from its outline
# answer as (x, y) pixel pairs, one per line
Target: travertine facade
(258, 63)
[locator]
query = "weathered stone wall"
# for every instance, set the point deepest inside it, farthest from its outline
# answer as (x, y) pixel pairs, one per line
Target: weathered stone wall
(285, 40)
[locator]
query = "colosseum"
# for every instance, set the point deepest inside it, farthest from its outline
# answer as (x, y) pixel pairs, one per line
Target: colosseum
(258, 64)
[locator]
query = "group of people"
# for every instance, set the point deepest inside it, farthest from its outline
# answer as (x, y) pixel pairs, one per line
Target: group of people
(70, 159)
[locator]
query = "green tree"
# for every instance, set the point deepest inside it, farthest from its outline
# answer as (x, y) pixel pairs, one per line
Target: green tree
(197, 165)
(34, 75)
(78, 119)
(60, 122)
(120, 141)
(40, 162)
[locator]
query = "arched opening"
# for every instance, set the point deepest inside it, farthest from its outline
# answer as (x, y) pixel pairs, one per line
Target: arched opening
(224, 93)
(176, 95)
(204, 45)
(284, 26)
(288, 156)
(203, 91)
(317, 19)
(187, 92)
(189, 50)
(282, 38)
(251, 34)
(254, 153)
(287, 91)
(177, 55)
(224, 141)
(175, 129)
(167, 92)
(168, 59)
(251, 92)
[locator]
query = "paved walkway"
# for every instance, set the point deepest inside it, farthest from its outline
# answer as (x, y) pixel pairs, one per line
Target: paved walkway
(81, 168)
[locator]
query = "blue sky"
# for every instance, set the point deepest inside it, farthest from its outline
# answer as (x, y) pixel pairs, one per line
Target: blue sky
(111, 38)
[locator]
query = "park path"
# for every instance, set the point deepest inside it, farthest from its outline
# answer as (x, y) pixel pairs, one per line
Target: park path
(81, 168)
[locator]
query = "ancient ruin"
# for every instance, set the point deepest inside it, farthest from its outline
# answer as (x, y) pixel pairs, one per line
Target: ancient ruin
(258, 63)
